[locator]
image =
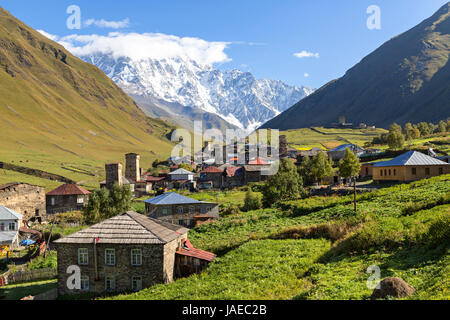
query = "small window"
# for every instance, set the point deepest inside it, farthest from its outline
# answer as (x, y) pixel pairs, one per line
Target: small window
(181, 222)
(441, 170)
(83, 257)
(110, 257)
(196, 262)
(136, 283)
(381, 173)
(136, 257)
(52, 200)
(180, 210)
(80, 200)
(12, 226)
(390, 172)
(84, 280)
(395, 172)
(2, 226)
(385, 172)
(191, 209)
(110, 283)
(165, 211)
(427, 171)
(414, 171)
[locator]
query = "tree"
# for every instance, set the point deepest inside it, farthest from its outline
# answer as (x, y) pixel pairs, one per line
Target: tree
(409, 131)
(304, 170)
(253, 200)
(349, 167)
(395, 138)
(104, 204)
(321, 167)
(284, 185)
(416, 133)
(442, 127)
(424, 129)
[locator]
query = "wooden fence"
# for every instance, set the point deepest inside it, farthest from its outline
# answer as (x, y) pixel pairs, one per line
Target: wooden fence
(31, 275)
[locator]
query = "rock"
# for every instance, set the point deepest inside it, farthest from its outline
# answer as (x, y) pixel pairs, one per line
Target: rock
(393, 287)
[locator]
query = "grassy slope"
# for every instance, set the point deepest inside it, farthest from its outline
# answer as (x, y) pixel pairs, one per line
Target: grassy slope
(390, 230)
(308, 138)
(60, 111)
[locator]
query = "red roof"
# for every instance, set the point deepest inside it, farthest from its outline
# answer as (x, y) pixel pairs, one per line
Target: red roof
(212, 170)
(67, 190)
(188, 249)
(258, 161)
(153, 179)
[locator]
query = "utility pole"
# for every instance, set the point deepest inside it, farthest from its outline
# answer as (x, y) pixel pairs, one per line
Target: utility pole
(354, 193)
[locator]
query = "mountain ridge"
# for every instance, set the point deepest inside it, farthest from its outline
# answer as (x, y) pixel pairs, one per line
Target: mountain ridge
(407, 79)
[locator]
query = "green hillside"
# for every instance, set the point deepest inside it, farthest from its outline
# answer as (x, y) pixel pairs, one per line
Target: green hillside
(318, 248)
(58, 111)
(407, 79)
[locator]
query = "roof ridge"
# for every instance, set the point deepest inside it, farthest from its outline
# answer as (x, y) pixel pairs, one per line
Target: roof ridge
(131, 213)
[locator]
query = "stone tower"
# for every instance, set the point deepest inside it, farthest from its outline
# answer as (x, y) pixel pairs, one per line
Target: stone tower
(113, 174)
(132, 167)
(283, 147)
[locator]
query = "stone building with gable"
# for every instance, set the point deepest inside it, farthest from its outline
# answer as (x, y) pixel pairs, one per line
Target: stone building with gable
(25, 199)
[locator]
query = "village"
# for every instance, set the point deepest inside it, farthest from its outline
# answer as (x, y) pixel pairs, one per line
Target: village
(143, 239)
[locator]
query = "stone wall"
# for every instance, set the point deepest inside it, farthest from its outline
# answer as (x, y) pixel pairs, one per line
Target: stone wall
(157, 265)
(25, 199)
(66, 203)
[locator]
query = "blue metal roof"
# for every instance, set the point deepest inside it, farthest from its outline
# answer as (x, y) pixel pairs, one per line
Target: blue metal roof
(411, 158)
(344, 147)
(172, 198)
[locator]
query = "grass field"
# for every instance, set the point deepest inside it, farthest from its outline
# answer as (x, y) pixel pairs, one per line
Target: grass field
(308, 138)
(318, 248)
(19, 291)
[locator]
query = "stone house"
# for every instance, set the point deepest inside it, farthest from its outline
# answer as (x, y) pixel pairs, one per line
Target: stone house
(233, 177)
(10, 224)
(125, 253)
(181, 175)
(409, 166)
(177, 209)
(255, 173)
(25, 199)
(213, 174)
(67, 198)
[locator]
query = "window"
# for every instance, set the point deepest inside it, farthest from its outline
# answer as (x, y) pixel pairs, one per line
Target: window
(83, 257)
(191, 209)
(197, 262)
(395, 172)
(181, 222)
(110, 257)
(12, 226)
(427, 171)
(110, 283)
(381, 173)
(390, 172)
(52, 200)
(441, 170)
(84, 283)
(136, 257)
(180, 210)
(414, 171)
(136, 283)
(385, 172)
(80, 200)
(2, 226)
(165, 211)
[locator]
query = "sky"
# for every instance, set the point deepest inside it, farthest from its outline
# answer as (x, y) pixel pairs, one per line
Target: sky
(301, 42)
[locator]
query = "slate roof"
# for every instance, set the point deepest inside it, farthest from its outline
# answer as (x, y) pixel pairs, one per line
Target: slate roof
(128, 228)
(180, 171)
(172, 198)
(411, 158)
(8, 214)
(68, 190)
(212, 170)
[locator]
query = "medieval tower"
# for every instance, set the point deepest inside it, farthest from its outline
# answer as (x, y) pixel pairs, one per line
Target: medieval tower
(132, 167)
(113, 174)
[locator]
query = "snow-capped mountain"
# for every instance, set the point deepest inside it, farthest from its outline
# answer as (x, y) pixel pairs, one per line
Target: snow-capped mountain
(235, 96)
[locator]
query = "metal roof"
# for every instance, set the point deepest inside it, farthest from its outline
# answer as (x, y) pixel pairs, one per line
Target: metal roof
(8, 237)
(68, 190)
(8, 214)
(181, 171)
(411, 158)
(172, 198)
(128, 228)
(352, 147)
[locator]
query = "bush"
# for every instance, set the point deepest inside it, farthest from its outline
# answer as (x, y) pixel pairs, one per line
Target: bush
(253, 201)
(70, 217)
(439, 232)
(231, 210)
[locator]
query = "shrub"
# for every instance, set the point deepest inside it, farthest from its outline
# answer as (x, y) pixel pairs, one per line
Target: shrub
(439, 232)
(231, 210)
(253, 200)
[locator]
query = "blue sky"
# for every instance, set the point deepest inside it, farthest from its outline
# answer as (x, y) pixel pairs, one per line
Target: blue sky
(262, 35)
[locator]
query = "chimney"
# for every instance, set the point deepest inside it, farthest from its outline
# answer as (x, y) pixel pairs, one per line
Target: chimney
(113, 174)
(132, 167)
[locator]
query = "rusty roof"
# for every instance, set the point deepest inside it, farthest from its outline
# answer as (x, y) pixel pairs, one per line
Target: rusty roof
(188, 249)
(68, 190)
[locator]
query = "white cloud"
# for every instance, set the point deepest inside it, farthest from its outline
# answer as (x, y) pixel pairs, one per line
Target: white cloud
(108, 24)
(138, 46)
(306, 54)
(306, 75)
(48, 35)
